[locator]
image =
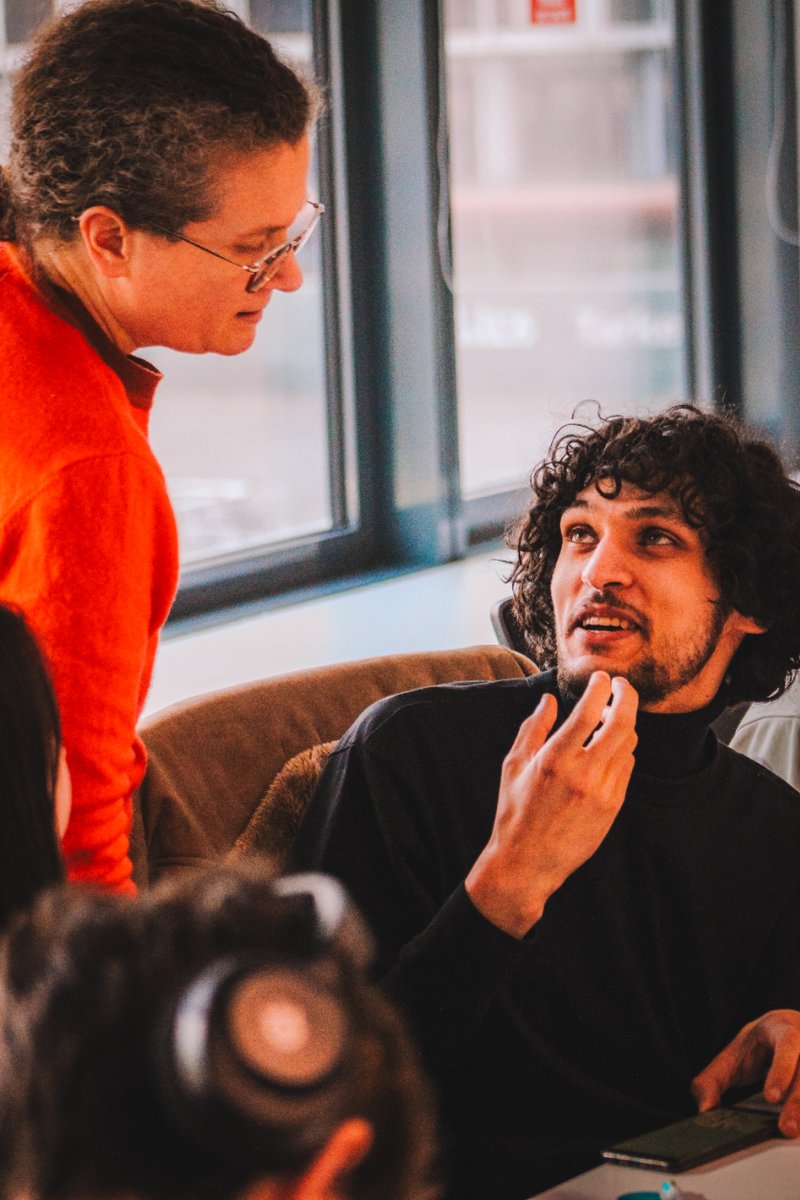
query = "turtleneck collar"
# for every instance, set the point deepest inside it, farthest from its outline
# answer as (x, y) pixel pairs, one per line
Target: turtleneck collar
(674, 745)
(671, 745)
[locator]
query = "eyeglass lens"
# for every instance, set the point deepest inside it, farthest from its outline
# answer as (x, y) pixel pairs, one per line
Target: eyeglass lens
(299, 232)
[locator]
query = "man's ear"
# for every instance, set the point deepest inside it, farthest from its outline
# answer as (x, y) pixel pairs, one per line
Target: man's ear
(745, 625)
(326, 1176)
(107, 240)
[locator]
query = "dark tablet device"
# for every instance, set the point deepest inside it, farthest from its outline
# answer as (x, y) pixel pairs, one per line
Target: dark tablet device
(696, 1140)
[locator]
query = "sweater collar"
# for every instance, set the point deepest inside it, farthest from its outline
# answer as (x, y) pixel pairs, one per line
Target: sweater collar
(674, 745)
(139, 377)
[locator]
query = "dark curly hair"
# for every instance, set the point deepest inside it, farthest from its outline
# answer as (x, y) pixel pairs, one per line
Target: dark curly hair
(730, 485)
(86, 981)
(129, 103)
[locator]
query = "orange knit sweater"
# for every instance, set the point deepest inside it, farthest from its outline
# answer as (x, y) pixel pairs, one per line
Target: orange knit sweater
(88, 547)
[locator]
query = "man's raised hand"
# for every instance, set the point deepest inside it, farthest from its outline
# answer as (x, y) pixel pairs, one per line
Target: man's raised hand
(558, 798)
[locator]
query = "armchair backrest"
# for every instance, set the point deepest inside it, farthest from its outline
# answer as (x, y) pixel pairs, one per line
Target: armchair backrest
(211, 759)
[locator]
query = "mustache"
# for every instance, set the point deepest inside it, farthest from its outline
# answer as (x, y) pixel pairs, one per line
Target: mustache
(612, 607)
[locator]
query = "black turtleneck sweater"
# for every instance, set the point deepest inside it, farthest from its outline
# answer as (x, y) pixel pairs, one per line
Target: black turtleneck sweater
(682, 926)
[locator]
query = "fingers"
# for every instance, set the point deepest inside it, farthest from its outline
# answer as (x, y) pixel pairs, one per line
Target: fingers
(605, 713)
(783, 1078)
(588, 712)
(609, 704)
(708, 1087)
(535, 729)
(782, 1070)
(602, 724)
(618, 719)
(789, 1120)
(731, 1066)
(771, 1044)
(626, 698)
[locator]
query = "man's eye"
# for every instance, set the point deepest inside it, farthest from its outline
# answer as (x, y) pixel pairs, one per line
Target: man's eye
(578, 534)
(658, 537)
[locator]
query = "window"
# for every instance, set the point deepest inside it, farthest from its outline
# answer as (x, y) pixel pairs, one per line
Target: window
(565, 205)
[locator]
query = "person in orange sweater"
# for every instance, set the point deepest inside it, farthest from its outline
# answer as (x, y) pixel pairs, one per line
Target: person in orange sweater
(155, 194)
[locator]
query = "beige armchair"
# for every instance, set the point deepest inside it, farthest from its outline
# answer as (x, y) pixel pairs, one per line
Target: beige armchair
(217, 778)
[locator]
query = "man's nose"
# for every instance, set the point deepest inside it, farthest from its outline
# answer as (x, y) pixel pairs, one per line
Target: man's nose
(608, 566)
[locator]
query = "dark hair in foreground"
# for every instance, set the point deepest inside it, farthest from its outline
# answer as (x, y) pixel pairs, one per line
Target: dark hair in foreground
(730, 485)
(129, 103)
(85, 981)
(30, 740)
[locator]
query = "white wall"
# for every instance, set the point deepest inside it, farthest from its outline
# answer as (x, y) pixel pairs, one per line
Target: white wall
(435, 609)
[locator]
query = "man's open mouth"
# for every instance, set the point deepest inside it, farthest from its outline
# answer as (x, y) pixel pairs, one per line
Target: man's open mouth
(601, 623)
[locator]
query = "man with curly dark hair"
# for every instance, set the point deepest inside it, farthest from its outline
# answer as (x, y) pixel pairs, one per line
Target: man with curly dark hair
(589, 907)
(732, 489)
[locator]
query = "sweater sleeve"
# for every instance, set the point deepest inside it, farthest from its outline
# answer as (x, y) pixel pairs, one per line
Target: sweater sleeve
(91, 560)
(371, 824)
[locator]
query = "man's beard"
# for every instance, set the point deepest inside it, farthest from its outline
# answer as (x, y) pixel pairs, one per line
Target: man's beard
(654, 680)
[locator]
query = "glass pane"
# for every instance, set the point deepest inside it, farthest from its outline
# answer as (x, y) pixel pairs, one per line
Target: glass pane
(564, 195)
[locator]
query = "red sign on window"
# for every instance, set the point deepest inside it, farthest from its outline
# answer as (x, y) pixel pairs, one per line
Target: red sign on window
(553, 12)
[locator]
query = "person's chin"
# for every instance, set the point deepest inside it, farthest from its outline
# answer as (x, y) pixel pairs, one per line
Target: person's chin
(572, 680)
(240, 339)
(573, 676)
(580, 666)
(580, 655)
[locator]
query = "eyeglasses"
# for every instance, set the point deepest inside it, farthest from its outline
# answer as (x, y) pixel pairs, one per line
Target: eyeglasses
(262, 271)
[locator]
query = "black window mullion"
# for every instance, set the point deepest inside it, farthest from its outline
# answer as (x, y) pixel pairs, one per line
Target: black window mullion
(336, 291)
(708, 181)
